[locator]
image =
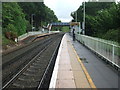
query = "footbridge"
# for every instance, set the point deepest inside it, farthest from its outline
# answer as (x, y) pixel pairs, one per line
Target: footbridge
(69, 24)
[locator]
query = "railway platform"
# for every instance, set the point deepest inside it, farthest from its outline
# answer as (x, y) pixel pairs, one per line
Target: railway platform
(23, 41)
(77, 67)
(69, 71)
(33, 37)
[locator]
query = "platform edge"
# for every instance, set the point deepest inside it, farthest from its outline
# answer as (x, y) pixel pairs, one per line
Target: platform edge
(55, 70)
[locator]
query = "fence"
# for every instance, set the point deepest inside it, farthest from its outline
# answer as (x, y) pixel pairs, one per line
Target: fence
(104, 48)
(34, 33)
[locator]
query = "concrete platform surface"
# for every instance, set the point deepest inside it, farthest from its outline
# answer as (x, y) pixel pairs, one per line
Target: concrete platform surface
(69, 71)
(102, 74)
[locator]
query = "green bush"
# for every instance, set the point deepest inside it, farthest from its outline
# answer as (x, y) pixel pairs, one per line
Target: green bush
(112, 35)
(13, 18)
(102, 20)
(11, 28)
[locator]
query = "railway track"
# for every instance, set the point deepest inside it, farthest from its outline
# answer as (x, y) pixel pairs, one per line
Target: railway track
(30, 71)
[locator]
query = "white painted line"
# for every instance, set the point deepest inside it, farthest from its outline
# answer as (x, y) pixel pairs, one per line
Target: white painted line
(55, 71)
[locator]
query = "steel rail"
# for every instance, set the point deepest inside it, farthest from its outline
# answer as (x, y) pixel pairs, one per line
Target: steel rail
(20, 72)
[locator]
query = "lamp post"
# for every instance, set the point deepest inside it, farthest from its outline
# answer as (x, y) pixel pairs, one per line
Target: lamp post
(32, 20)
(84, 18)
(76, 15)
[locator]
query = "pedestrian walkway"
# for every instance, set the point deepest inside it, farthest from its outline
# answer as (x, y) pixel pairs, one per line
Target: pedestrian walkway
(69, 71)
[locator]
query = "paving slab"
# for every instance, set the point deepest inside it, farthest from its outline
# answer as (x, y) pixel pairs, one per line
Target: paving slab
(70, 73)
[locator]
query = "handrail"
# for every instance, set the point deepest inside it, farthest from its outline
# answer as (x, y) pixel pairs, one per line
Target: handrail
(109, 51)
(100, 40)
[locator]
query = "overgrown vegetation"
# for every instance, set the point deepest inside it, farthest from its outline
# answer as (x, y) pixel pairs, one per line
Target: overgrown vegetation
(102, 20)
(42, 15)
(13, 19)
(17, 17)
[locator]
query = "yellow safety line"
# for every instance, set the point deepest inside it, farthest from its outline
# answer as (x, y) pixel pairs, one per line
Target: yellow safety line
(85, 70)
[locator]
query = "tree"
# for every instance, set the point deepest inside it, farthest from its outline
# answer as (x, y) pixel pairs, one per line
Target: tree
(13, 16)
(42, 14)
(102, 19)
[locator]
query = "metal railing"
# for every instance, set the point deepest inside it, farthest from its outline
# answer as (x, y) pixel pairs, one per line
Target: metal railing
(34, 33)
(30, 34)
(104, 48)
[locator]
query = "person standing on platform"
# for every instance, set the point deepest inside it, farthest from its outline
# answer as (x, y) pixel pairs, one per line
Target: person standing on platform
(73, 34)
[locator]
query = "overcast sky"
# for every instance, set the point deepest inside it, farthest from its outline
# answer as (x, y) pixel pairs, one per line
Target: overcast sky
(63, 8)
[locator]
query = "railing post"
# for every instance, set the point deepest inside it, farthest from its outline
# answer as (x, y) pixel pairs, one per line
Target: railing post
(113, 53)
